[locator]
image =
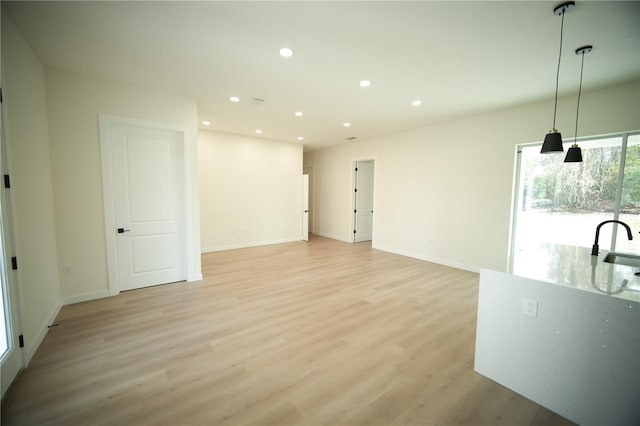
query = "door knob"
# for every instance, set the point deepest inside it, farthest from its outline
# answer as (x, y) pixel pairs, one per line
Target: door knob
(306, 211)
(122, 230)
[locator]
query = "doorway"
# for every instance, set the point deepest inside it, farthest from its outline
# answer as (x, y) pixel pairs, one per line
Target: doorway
(363, 183)
(305, 207)
(309, 171)
(143, 166)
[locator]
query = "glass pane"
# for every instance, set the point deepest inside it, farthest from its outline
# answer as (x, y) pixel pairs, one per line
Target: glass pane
(3, 323)
(4, 300)
(562, 202)
(630, 199)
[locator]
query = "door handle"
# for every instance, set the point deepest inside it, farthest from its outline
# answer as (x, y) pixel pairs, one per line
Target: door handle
(122, 230)
(306, 211)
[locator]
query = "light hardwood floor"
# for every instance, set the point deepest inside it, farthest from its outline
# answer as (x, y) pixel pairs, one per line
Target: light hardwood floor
(318, 333)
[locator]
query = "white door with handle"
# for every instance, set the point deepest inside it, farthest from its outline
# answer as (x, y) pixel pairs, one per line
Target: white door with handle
(363, 210)
(148, 173)
(305, 207)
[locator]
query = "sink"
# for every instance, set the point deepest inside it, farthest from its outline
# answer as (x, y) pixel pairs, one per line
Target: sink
(623, 259)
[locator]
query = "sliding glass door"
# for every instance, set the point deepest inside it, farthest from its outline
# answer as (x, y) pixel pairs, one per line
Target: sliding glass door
(11, 356)
(562, 203)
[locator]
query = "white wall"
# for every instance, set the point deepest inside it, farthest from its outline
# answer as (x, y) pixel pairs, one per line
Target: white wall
(250, 191)
(577, 357)
(74, 102)
(27, 138)
(443, 192)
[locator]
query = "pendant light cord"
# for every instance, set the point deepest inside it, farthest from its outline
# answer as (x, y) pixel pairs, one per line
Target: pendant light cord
(575, 136)
(555, 104)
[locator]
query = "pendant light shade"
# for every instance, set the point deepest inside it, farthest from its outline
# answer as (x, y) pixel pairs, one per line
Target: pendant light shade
(553, 139)
(574, 155)
(552, 142)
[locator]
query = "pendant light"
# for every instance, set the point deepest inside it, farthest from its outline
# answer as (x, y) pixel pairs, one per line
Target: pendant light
(553, 139)
(574, 155)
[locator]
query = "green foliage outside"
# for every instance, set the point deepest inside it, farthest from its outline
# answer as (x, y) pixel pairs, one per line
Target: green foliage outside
(587, 186)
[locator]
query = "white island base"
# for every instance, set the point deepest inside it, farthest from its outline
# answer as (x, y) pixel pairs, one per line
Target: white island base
(572, 351)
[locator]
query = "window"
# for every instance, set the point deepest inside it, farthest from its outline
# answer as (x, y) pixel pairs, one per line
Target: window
(562, 203)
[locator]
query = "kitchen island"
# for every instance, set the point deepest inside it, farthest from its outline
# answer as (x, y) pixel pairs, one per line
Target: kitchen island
(562, 328)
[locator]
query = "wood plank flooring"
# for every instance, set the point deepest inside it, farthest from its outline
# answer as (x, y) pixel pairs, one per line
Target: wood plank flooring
(318, 333)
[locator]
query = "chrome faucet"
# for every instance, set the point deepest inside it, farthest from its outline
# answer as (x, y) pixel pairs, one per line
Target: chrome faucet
(595, 249)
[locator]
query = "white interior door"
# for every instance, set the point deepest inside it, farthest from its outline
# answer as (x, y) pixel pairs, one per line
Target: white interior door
(364, 201)
(308, 170)
(148, 184)
(305, 207)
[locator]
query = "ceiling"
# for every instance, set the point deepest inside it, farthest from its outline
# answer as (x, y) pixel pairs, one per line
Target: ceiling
(458, 58)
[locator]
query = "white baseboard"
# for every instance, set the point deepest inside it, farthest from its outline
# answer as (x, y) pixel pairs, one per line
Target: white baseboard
(250, 244)
(332, 236)
(196, 277)
(86, 296)
(428, 259)
(33, 343)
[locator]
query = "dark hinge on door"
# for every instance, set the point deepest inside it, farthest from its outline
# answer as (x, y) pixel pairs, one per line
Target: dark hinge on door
(1, 96)
(354, 231)
(14, 263)
(21, 340)
(7, 181)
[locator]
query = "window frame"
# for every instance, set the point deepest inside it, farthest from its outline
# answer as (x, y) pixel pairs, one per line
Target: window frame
(517, 180)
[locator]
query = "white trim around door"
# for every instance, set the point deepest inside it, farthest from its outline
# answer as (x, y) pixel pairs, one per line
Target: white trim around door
(190, 255)
(363, 231)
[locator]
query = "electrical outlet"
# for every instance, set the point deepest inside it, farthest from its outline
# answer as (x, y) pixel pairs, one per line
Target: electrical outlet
(530, 307)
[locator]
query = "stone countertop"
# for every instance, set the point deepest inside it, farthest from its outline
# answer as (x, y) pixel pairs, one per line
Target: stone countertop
(573, 266)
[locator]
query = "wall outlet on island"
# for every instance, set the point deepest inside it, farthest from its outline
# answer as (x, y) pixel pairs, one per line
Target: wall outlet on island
(530, 307)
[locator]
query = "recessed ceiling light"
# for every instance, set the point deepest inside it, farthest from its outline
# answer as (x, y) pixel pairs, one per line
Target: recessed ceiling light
(298, 114)
(346, 124)
(365, 83)
(416, 102)
(206, 123)
(300, 138)
(234, 99)
(258, 131)
(285, 52)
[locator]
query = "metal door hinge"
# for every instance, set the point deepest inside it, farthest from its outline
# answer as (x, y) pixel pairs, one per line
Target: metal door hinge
(14, 263)
(21, 340)
(7, 181)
